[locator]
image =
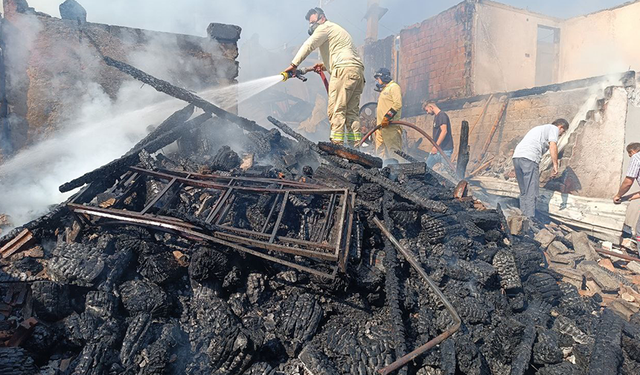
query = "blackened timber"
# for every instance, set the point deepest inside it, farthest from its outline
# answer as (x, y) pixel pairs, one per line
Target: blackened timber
(351, 154)
(105, 172)
(406, 156)
(463, 151)
(389, 185)
(384, 182)
(293, 134)
(182, 94)
(177, 117)
(119, 166)
(173, 135)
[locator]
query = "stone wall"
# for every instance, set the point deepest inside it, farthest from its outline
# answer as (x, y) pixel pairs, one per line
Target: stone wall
(53, 65)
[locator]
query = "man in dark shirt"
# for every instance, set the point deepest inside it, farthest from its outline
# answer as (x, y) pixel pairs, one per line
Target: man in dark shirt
(441, 134)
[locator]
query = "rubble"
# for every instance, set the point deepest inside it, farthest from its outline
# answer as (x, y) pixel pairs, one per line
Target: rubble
(301, 262)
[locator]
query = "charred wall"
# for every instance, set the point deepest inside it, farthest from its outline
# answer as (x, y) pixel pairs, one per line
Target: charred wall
(53, 65)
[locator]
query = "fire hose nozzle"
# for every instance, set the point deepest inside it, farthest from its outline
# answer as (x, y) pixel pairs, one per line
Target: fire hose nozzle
(299, 74)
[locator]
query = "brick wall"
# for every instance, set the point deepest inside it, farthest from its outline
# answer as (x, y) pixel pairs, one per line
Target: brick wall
(435, 57)
(52, 66)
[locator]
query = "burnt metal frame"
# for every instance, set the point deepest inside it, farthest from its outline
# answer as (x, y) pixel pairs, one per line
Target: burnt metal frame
(457, 322)
(237, 237)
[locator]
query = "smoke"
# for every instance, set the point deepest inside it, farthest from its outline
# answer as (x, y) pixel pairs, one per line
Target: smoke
(95, 124)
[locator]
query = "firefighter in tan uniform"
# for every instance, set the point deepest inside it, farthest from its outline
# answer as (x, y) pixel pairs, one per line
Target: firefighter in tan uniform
(389, 138)
(340, 58)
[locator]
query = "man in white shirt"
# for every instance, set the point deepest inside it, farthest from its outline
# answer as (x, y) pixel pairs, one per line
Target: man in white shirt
(526, 159)
(340, 58)
(633, 174)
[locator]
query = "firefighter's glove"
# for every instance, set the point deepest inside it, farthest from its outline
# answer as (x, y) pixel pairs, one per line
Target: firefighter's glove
(387, 117)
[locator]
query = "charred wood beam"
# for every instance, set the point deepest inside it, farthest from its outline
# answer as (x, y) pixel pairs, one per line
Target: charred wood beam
(392, 287)
(286, 129)
(177, 117)
(402, 192)
(117, 167)
(182, 94)
(108, 171)
(350, 154)
(407, 157)
(463, 151)
(173, 135)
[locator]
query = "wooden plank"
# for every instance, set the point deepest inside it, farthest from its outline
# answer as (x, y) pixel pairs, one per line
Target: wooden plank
(484, 110)
(16, 243)
(493, 132)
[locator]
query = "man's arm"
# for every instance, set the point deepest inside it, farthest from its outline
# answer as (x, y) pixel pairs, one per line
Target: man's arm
(553, 150)
(311, 44)
(624, 187)
(443, 135)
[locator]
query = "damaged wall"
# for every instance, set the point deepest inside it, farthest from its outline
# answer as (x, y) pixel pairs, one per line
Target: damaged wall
(601, 137)
(505, 53)
(52, 65)
(521, 115)
(599, 149)
(600, 43)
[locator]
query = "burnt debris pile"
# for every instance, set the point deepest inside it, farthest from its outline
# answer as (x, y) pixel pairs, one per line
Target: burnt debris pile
(277, 256)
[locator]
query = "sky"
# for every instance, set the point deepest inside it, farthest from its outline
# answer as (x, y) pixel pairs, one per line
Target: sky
(280, 23)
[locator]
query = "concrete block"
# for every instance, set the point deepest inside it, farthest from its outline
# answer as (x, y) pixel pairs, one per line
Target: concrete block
(518, 225)
(634, 267)
(582, 245)
(545, 238)
(557, 248)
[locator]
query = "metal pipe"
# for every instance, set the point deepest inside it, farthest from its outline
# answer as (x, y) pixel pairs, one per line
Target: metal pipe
(621, 256)
(454, 315)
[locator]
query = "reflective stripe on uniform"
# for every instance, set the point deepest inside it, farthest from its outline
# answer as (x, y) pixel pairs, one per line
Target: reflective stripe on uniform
(354, 136)
(338, 136)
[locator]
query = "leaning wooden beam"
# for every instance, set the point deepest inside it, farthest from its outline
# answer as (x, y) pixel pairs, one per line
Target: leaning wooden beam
(493, 132)
(173, 135)
(182, 94)
(179, 117)
(114, 167)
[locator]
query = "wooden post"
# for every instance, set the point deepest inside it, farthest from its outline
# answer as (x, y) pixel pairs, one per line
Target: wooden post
(493, 131)
(463, 151)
